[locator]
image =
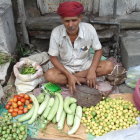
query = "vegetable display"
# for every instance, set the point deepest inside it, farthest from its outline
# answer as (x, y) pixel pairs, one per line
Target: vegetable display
(10, 130)
(109, 114)
(19, 104)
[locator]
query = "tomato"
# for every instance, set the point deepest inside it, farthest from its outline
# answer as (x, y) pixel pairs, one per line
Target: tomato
(15, 96)
(15, 99)
(21, 107)
(27, 97)
(11, 100)
(30, 100)
(27, 102)
(7, 106)
(14, 114)
(21, 94)
(9, 103)
(19, 98)
(14, 105)
(15, 109)
(29, 106)
(25, 110)
(20, 112)
(19, 103)
(22, 100)
(10, 110)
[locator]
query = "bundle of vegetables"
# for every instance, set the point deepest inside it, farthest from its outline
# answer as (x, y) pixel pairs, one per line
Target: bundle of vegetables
(28, 69)
(19, 104)
(54, 109)
(109, 114)
(10, 130)
(5, 57)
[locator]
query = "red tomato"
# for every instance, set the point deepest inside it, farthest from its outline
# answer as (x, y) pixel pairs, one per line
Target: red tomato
(27, 97)
(19, 98)
(7, 106)
(25, 110)
(14, 105)
(15, 96)
(27, 102)
(19, 103)
(14, 114)
(9, 103)
(10, 110)
(29, 106)
(20, 112)
(15, 99)
(11, 100)
(21, 94)
(30, 100)
(15, 109)
(21, 107)
(22, 100)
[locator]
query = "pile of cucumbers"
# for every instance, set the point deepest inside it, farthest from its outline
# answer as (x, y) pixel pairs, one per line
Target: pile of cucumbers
(54, 109)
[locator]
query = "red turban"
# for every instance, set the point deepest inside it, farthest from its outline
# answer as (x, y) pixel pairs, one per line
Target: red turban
(70, 9)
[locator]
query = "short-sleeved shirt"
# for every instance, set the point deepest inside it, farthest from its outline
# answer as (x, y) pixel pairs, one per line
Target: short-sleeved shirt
(76, 56)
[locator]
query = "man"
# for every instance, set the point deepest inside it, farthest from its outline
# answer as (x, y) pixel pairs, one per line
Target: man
(69, 50)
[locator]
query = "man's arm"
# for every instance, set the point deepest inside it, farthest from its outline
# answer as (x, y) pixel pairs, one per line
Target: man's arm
(91, 75)
(72, 80)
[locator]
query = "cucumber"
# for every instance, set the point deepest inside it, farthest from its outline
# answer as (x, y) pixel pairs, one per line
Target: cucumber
(70, 117)
(36, 107)
(48, 108)
(68, 100)
(54, 109)
(54, 119)
(60, 108)
(60, 124)
(43, 104)
(77, 119)
(27, 116)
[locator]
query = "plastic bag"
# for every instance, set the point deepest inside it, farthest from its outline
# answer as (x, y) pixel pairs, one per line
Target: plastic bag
(26, 83)
(133, 74)
(132, 133)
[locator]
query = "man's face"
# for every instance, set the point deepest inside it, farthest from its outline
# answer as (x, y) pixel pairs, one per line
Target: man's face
(71, 24)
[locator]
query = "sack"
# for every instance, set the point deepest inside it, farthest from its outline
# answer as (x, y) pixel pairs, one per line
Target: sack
(133, 75)
(117, 76)
(26, 83)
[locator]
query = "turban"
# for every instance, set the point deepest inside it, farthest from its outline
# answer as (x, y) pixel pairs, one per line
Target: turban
(70, 9)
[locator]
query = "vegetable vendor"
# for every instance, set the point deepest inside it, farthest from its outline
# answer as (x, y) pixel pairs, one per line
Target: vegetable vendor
(70, 60)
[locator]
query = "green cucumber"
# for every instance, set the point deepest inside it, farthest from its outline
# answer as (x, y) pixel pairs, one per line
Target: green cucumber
(70, 117)
(36, 107)
(77, 120)
(27, 116)
(54, 109)
(43, 104)
(60, 124)
(48, 108)
(54, 119)
(68, 100)
(60, 108)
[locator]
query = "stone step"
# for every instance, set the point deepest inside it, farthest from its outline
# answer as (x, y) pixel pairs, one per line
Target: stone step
(130, 49)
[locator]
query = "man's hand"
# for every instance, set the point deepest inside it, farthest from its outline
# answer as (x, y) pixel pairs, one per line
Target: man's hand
(91, 78)
(72, 81)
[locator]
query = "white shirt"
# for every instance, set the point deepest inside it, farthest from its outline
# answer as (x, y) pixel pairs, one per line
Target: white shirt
(75, 57)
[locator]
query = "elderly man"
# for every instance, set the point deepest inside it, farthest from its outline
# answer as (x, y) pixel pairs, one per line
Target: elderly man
(69, 50)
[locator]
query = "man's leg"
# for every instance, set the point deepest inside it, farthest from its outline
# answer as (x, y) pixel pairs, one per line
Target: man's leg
(104, 68)
(55, 76)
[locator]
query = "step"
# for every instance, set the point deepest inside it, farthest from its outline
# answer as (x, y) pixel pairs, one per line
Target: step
(130, 49)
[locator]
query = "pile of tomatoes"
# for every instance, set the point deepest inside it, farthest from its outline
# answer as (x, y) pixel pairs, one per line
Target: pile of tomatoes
(19, 104)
